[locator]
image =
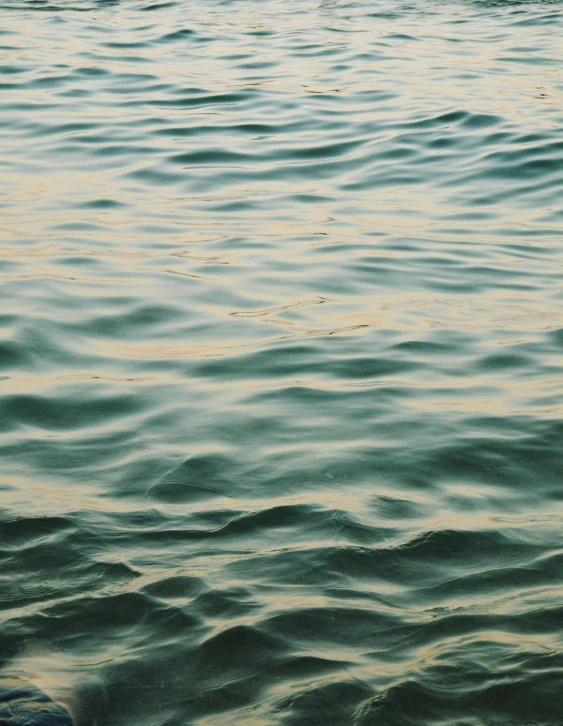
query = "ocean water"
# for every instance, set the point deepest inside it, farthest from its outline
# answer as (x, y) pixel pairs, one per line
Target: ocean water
(281, 374)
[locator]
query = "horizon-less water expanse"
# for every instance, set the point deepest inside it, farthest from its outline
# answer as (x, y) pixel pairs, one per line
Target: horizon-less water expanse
(281, 375)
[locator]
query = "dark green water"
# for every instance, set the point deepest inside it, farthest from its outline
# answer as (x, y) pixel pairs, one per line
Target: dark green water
(281, 374)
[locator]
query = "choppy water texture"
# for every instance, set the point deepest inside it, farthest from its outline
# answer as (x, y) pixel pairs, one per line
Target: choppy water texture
(281, 386)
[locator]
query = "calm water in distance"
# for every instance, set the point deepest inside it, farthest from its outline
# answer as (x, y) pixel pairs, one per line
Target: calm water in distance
(281, 375)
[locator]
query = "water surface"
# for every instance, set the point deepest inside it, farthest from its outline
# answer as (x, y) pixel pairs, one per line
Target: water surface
(280, 360)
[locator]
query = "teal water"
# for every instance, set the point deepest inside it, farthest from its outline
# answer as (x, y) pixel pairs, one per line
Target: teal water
(281, 374)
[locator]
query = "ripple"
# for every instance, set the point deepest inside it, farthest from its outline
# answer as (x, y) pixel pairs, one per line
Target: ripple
(280, 376)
